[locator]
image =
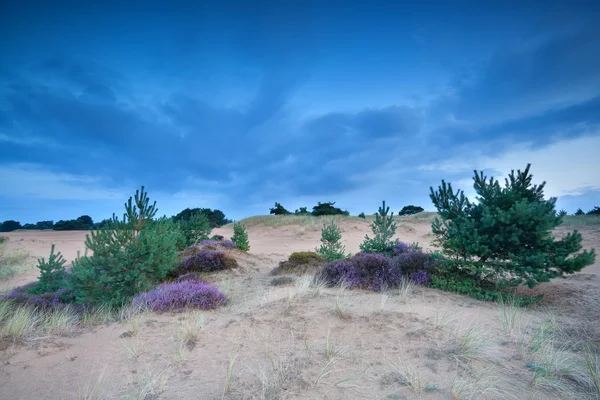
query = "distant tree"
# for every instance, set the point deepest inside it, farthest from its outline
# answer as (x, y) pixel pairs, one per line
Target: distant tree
(29, 226)
(561, 213)
(86, 221)
(410, 210)
(278, 210)
(302, 211)
(327, 209)
(71, 225)
(195, 229)
(362, 215)
(595, 211)
(216, 218)
(579, 212)
(506, 238)
(10, 225)
(44, 225)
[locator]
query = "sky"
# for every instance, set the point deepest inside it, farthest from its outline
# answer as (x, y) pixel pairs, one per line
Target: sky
(238, 105)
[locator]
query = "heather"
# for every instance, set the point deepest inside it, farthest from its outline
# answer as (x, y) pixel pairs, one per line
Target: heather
(363, 271)
(207, 260)
(300, 263)
(179, 296)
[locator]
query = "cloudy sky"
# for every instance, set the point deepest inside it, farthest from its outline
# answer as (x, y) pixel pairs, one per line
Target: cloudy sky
(236, 105)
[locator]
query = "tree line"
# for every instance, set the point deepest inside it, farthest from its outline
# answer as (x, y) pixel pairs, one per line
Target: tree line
(216, 218)
(329, 209)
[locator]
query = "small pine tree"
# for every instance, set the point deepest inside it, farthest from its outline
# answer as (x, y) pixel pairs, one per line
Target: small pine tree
(129, 256)
(240, 237)
(579, 212)
(53, 274)
(331, 247)
(384, 228)
(562, 213)
(507, 236)
(195, 229)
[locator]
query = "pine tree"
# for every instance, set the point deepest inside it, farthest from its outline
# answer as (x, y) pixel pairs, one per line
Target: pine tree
(240, 237)
(130, 255)
(331, 246)
(53, 274)
(506, 237)
(384, 228)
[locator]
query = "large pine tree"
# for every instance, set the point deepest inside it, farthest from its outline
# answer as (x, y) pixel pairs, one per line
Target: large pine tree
(506, 236)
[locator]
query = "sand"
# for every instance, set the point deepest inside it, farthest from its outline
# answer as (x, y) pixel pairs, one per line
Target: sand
(290, 342)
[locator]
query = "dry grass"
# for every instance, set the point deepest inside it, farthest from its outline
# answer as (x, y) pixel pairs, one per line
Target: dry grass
(12, 264)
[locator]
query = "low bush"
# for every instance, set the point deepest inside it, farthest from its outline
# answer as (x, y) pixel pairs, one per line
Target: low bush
(282, 280)
(179, 296)
(365, 271)
(300, 263)
(208, 261)
(30, 295)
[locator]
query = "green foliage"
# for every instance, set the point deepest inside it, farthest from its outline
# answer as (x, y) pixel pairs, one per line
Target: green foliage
(327, 209)
(53, 274)
(595, 211)
(561, 213)
(130, 256)
(331, 247)
(216, 218)
(579, 212)
(304, 257)
(82, 223)
(194, 230)
(240, 237)
(410, 210)
(278, 209)
(9, 226)
(302, 211)
(384, 228)
(362, 215)
(507, 236)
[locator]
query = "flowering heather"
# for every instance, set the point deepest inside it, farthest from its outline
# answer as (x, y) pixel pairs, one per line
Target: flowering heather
(421, 278)
(411, 261)
(403, 248)
(209, 260)
(365, 271)
(181, 295)
(228, 244)
(22, 296)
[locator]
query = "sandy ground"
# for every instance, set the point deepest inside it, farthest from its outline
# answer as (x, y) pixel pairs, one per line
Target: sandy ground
(293, 343)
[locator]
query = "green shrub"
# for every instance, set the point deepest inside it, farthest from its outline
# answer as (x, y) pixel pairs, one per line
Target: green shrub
(300, 263)
(362, 215)
(410, 210)
(331, 247)
(130, 256)
(240, 237)
(384, 228)
(195, 229)
(506, 238)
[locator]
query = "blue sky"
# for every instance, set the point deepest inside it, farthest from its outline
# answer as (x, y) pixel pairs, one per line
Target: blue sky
(236, 105)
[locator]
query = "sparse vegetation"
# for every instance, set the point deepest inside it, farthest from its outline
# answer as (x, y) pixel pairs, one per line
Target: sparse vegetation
(11, 263)
(300, 263)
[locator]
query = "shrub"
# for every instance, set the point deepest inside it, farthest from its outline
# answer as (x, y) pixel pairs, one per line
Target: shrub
(362, 215)
(217, 238)
(179, 296)
(579, 212)
(410, 210)
(366, 271)
(208, 261)
(195, 229)
(331, 247)
(300, 263)
(595, 211)
(384, 228)
(240, 237)
(506, 237)
(421, 278)
(561, 213)
(278, 209)
(282, 280)
(129, 256)
(30, 295)
(9, 226)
